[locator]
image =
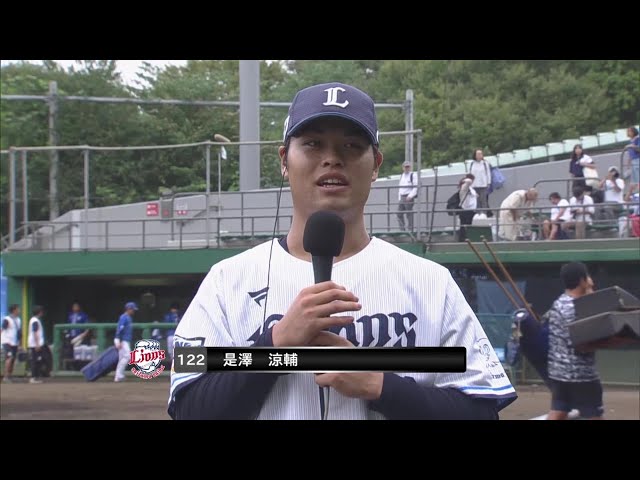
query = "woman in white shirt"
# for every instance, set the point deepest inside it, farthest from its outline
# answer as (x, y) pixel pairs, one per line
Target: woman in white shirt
(589, 169)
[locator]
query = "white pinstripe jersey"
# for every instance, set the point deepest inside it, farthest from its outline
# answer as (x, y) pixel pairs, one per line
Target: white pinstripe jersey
(406, 301)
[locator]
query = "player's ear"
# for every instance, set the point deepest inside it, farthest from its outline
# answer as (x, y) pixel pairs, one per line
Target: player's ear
(377, 161)
(282, 152)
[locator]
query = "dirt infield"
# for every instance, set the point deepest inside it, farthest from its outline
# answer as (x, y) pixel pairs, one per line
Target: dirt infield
(136, 399)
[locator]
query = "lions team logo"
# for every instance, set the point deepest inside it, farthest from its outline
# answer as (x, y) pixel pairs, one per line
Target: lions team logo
(492, 363)
(146, 358)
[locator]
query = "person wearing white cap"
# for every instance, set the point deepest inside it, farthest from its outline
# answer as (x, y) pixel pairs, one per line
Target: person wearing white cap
(406, 196)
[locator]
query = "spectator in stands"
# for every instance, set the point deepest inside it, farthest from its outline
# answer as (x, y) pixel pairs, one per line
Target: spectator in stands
(631, 225)
(481, 170)
(633, 155)
(633, 197)
(468, 204)
(560, 213)
(511, 213)
(35, 342)
(589, 170)
(575, 169)
(582, 211)
(407, 194)
(613, 187)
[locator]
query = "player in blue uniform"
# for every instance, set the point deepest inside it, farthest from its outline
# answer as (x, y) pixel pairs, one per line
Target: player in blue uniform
(123, 338)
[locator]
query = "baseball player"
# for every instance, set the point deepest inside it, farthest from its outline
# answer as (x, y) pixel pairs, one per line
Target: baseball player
(11, 325)
(75, 317)
(123, 337)
(379, 296)
(172, 316)
(35, 342)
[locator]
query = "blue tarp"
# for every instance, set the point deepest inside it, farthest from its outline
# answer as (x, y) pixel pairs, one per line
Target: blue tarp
(491, 298)
(494, 311)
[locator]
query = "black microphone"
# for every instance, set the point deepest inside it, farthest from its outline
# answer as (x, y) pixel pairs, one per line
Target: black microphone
(323, 239)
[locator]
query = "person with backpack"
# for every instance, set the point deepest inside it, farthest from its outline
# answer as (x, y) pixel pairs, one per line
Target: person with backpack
(407, 194)
(468, 203)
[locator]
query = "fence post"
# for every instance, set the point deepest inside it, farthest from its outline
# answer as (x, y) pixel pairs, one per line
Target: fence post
(12, 196)
(56, 348)
(101, 339)
(86, 199)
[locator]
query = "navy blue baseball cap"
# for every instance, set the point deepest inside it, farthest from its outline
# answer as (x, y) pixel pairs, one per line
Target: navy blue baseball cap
(332, 99)
(131, 305)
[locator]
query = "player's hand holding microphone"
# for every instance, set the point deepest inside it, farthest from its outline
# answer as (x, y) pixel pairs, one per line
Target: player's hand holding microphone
(310, 315)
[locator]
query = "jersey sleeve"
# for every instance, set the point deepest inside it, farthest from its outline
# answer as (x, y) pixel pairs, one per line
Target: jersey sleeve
(204, 323)
(119, 328)
(484, 377)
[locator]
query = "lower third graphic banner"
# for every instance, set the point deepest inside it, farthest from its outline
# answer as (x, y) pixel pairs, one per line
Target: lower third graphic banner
(320, 359)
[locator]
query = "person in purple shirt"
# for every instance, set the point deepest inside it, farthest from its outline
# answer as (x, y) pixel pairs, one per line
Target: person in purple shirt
(633, 149)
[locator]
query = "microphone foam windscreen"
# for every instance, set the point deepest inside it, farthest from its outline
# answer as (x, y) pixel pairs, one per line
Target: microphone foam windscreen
(324, 234)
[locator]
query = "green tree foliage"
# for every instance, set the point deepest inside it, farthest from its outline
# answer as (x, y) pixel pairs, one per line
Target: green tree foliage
(498, 105)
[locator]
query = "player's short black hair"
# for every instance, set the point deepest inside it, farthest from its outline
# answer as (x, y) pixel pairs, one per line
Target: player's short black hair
(38, 309)
(572, 273)
(555, 195)
(13, 307)
(175, 305)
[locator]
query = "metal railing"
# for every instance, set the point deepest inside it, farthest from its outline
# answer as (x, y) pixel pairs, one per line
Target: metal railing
(247, 216)
(236, 230)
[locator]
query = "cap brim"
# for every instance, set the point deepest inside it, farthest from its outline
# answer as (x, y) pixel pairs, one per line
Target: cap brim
(299, 125)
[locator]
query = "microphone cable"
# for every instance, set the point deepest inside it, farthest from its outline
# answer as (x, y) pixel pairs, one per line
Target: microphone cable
(273, 237)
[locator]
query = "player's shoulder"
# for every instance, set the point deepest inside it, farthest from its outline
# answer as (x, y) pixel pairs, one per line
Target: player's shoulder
(251, 256)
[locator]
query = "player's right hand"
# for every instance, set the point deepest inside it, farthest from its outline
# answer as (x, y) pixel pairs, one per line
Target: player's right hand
(310, 313)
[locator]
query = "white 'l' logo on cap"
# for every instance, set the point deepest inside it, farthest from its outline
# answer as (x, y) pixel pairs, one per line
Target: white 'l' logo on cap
(332, 97)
